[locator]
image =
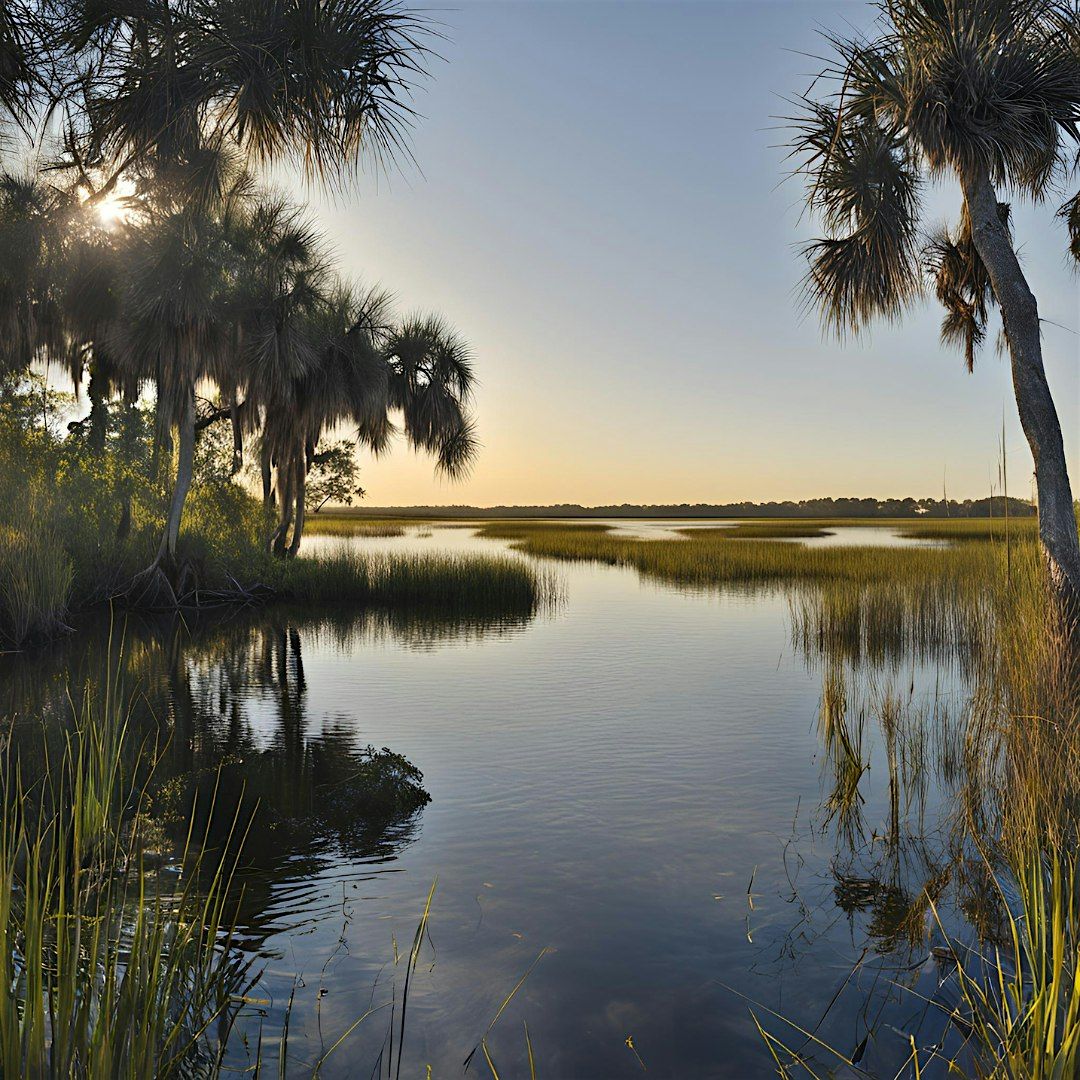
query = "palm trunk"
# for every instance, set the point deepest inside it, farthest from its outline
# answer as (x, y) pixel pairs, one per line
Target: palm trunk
(267, 480)
(287, 497)
(99, 415)
(300, 486)
(237, 437)
(184, 468)
(1038, 416)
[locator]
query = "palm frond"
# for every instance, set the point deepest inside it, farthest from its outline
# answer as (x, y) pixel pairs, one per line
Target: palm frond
(865, 187)
(962, 285)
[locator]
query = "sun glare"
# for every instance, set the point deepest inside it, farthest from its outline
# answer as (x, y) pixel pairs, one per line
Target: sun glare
(112, 210)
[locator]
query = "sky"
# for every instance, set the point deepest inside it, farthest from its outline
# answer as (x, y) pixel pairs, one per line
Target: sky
(599, 206)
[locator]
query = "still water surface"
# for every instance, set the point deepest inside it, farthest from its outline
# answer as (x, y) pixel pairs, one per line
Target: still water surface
(633, 781)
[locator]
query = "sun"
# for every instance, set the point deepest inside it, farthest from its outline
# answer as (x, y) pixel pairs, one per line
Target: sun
(113, 210)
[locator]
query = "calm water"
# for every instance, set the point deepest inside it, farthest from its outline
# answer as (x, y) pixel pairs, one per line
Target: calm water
(634, 782)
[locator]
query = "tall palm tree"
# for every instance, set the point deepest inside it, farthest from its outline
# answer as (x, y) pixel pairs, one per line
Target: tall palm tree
(345, 384)
(986, 93)
(175, 326)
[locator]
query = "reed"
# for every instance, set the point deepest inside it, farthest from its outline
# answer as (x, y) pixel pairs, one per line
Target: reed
(36, 576)
(1021, 1003)
(108, 968)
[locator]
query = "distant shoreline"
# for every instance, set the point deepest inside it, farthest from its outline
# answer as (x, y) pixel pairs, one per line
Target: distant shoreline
(855, 509)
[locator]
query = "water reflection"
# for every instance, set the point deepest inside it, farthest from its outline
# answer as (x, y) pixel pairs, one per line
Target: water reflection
(224, 699)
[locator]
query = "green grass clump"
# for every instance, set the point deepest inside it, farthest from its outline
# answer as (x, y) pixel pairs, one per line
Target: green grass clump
(36, 576)
(108, 969)
(428, 581)
(1022, 1003)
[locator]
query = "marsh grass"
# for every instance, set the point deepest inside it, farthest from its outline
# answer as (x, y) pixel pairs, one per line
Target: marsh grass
(980, 600)
(421, 582)
(352, 526)
(1013, 763)
(1010, 1007)
(36, 576)
(856, 602)
(1020, 1004)
(109, 968)
(989, 529)
(761, 530)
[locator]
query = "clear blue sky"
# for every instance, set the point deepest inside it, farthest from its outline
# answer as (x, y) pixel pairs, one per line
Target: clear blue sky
(598, 207)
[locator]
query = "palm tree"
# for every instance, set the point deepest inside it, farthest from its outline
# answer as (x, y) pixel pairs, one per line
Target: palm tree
(984, 92)
(344, 384)
(36, 222)
(175, 325)
(360, 367)
(162, 92)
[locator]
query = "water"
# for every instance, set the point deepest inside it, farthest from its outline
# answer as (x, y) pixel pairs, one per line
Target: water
(633, 782)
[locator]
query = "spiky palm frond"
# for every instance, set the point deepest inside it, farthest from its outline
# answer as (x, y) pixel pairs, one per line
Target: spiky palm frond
(1070, 213)
(865, 186)
(962, 285)
(431, 382)
(988, 86)
(23, 72)
(320, 83)
(35, 219)
(323, 81)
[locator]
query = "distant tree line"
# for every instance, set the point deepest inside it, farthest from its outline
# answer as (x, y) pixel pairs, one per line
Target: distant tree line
(810, 508)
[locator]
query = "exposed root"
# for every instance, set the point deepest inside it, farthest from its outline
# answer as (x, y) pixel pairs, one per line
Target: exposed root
(154, 589)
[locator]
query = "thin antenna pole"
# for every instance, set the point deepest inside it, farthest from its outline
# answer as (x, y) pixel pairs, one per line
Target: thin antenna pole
(1005, 482)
